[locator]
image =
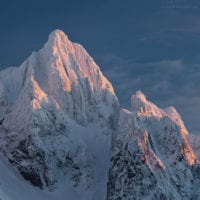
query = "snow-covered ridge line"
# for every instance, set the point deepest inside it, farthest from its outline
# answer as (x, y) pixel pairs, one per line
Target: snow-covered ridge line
(62, 129)
(41, 100)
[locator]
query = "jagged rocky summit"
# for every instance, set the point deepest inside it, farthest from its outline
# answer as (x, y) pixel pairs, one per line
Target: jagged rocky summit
(61, 126)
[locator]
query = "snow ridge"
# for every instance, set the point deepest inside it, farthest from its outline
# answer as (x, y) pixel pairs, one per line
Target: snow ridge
(47, 105)
(152, 157)
(63, 133)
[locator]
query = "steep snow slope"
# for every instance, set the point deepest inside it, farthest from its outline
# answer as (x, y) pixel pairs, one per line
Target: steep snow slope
(92, 160)
(195, 143)
(61, 75)
(62, 134)
(152, 157)
(42, 104)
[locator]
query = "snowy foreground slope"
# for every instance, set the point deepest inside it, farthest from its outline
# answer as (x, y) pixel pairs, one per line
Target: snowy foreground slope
(63, 135)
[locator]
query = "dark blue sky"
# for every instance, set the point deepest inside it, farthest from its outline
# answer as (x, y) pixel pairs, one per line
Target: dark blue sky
(139, 44)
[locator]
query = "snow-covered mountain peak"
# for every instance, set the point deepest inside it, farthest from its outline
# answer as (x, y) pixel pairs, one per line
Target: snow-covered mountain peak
(152, 157)
(56, 104)
(146, 109)
(175, 116)
(139, 98)
(140, 104)
(140, 95)
(61, 72)
(61, 124)
(70, 61)
(58, 43)
(58, 35)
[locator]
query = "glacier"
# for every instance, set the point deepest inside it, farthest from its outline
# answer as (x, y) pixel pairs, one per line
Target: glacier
(64, 135)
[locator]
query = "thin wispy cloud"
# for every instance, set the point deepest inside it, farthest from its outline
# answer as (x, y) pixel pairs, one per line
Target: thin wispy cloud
(166, 82)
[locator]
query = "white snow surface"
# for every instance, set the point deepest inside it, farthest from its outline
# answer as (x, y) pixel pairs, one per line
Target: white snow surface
(152, 158)
(57, 115)
(62, 129)
(14, 187)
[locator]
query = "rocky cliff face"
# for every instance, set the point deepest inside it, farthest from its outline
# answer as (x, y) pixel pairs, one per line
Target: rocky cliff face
(53, 91)
(61, 123)
(152, 157)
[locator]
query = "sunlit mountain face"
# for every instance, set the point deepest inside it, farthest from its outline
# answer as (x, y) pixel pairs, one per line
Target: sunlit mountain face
(153, 46)
(114, 119)
(64, 133)
(161, 56)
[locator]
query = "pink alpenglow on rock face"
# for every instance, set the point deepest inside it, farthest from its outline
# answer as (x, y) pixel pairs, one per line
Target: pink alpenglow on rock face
(57, 92)
(60, 75)
(63, 134)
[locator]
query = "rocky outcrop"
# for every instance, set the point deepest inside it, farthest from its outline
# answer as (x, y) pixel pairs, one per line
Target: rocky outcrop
(53, 91)
(61, 124)
(152, 157)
